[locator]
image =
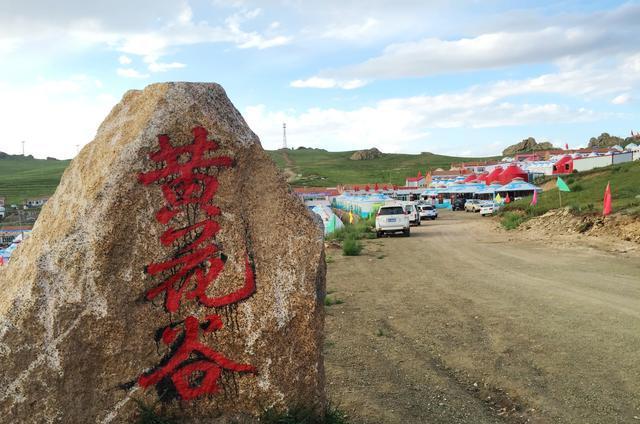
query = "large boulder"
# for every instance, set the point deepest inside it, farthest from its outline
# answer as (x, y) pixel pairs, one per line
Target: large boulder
(527, 145)
(366, 154)
(172, 268)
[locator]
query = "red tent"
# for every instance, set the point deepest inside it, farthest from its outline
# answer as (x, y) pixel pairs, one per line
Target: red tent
(493, 175)
(376, 187)
(512, 171)
(367, 188)
(564, 165)
(483, 176)
(469, 178)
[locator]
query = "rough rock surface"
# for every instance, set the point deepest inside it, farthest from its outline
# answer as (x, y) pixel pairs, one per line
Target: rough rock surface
(526, 145)
(366, 154)
(606, 140)
(76, 330)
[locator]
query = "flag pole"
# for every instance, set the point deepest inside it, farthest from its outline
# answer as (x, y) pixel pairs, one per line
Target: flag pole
(560, 196)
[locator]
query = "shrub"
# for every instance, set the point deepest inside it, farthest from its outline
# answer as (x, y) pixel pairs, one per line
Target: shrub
(351, 247)
(576, 187)
(511, 220)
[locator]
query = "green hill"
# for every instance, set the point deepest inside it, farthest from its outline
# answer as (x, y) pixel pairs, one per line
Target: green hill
(22, 177)
(315, 167)
(586, 196)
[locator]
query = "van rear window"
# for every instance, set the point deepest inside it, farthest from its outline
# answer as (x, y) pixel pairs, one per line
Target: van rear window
(392, 211)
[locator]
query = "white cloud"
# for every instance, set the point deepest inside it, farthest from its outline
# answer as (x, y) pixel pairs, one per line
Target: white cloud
(621, 99)
(594, 36)
(352, 31)
(316, 82)
(124, 60)
(404, 124)
(164, 67)
(66, 113)
(130, 73)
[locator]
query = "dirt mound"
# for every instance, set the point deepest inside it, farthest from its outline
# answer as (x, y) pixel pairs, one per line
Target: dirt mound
(367, 154)
(563, 222)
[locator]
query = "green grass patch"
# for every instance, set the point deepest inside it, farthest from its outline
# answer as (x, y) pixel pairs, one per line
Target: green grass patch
(586, 197)
(511, 220)
(24, 177)
(318, 167)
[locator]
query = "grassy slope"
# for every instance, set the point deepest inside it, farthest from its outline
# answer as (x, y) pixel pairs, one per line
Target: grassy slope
(25, 177)
(588, 192)
(321, 168)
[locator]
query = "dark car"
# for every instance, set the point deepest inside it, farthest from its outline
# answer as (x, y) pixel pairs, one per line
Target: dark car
(458, 204)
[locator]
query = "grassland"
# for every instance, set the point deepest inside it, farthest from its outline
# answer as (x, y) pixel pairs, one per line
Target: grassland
(314, 167)
(586, 196)
(23, 177)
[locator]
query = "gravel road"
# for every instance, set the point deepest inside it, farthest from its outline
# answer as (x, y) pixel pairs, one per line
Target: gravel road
(461, 323)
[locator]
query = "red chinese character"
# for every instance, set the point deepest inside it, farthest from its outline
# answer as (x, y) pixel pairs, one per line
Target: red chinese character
(194, 368)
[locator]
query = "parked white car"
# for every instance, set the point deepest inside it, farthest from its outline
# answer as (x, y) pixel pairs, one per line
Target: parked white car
(392, 219)
(412, 210)
(428, 212)
(489, 208)
(472, 205)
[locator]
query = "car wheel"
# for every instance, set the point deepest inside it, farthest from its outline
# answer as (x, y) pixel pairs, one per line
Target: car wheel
(406, 232)
(378, 234)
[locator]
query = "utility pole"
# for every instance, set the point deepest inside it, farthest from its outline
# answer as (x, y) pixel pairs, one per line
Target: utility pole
(284, 135)
(22, 147)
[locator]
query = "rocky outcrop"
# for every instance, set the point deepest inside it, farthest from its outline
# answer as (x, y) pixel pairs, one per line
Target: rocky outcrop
(366, 154)
(527, 145)
(171, 268)
(605, 140)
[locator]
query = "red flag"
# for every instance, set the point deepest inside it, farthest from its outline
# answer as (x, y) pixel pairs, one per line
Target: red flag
(356, 188)
(385, 187)
(366, 188)
(606, 209)
(534, 201)
(375, 187)
(566, 146)
(507, 199)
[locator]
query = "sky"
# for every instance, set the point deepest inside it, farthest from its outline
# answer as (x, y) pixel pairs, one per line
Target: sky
(464, 78)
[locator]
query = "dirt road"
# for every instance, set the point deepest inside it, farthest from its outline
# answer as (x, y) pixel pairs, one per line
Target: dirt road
(457, 324)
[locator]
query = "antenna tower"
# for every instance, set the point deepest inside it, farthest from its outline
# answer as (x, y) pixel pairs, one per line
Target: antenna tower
(284, 135)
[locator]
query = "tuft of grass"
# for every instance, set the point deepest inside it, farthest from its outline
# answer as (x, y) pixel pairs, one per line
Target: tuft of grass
(380, 256)
(329, 259)
(148, 415)
(303, 415)
(512, 220)
(330, 302)
(351, 247)
(380, 333)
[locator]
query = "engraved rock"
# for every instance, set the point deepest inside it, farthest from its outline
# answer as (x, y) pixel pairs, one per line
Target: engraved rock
(172, 268)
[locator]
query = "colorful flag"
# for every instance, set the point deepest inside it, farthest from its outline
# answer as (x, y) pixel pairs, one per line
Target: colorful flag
(507, 199)
(606, 209)
(562, 186)
(534, 201)
(498, 198)
(350, 217)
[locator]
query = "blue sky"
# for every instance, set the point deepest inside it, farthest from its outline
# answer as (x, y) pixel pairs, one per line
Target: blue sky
(460, 78)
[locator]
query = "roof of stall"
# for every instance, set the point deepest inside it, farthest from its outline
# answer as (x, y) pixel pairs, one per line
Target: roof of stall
(519, 185)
